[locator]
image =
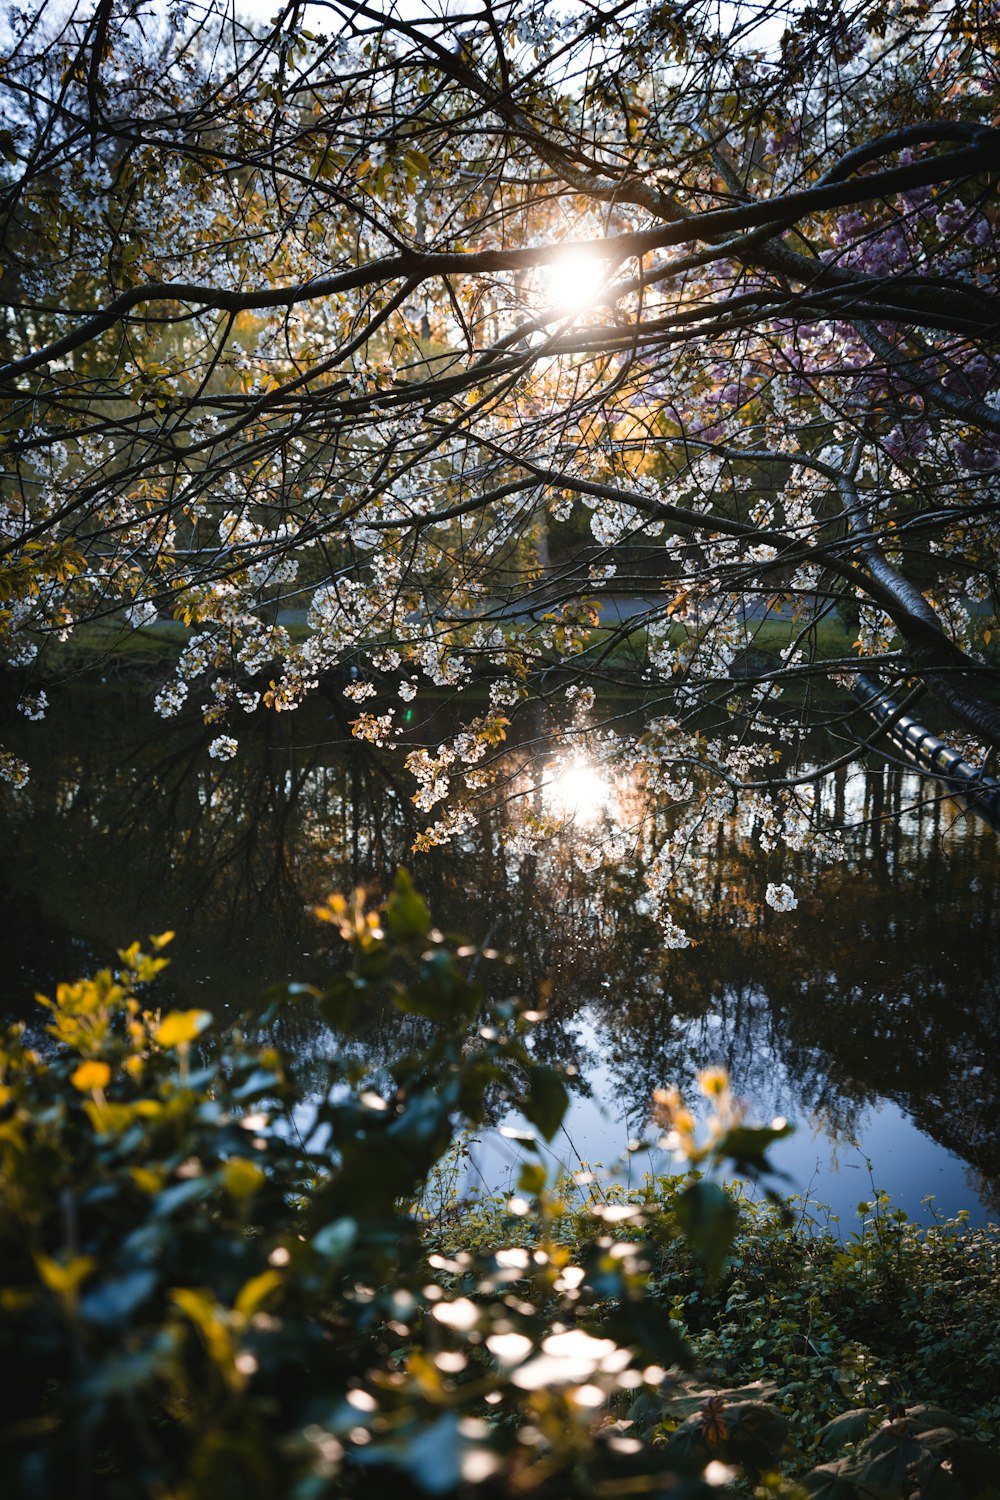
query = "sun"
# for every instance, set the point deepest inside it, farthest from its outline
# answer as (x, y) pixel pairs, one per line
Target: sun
(575, 280)
(577, 792)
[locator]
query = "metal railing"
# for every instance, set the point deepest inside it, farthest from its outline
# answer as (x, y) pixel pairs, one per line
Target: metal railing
(980, 791)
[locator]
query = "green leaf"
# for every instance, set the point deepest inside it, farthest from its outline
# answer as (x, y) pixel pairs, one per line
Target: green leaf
(340, 1002)
(925, 1415)
(747, 1144)
(290, 992)
(709, 1219)
(179, 1193)
(334, 1240)
(547, 1099)
(849, 1427)
(125, 1373)
(260, 1082)
(407, 915)
(532, 1178)
(757, 1434)
(839, 1481)
(434, 1456)
(114, 1301)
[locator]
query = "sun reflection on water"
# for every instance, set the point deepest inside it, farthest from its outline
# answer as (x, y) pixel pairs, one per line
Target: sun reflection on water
(576, 791)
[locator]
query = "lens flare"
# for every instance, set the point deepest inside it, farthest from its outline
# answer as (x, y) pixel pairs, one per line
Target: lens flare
(577, 792)
(575, 281)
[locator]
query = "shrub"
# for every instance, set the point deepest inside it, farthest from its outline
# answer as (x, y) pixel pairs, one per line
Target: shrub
(219, 1281)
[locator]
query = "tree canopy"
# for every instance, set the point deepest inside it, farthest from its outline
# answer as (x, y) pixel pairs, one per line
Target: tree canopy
(414, 340)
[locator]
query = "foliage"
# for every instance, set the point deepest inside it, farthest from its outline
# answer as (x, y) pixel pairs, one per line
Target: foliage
(411, 346)
(217, 1284)
(894, 1319)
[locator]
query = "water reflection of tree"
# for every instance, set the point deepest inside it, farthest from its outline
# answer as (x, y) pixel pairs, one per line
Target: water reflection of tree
(123, 835)
(881, 984)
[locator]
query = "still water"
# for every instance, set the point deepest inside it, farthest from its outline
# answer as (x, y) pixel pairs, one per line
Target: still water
(868, 1016)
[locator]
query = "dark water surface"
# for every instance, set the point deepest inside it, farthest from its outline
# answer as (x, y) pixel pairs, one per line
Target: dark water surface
(867, 1015)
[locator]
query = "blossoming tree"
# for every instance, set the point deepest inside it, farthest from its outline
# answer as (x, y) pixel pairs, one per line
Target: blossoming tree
(411, 344)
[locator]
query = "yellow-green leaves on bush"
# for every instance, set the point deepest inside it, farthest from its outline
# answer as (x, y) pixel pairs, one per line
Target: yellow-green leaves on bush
(91, 1075)
(181, 1027)
(142, 967)
(254, 1293)
(64, 1277)
(242, 1178)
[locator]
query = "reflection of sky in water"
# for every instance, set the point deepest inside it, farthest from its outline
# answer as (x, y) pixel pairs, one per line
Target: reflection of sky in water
(828, 1169)
(870, 1011)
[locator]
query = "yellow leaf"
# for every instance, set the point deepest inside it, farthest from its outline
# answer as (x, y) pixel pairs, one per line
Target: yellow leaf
(713, 1082)
(181, 1027)
(146, 1180)
(199, 1305)
(12, 1299)
(242, 1178)
(91, 1075)
(205, 1313)
(104, 1116)
(64, 1279)
(147, 1109)
(256, 1291)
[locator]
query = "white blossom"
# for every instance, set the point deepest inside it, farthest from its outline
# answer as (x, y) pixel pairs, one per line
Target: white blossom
(13, 769)
(170, 699)
(33, 705)
(141, 613)
(359, 691)
(781, 897)
(223, 748)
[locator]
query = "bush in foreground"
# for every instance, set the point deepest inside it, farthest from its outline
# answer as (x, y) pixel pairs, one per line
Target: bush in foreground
(217, 1281)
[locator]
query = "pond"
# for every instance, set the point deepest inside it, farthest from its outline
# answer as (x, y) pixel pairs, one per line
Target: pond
(868, 1015)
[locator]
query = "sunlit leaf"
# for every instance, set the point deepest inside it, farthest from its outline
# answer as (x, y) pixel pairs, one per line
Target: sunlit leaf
(181, 1027)
(242, 1178)
(531, 1178)
(91, 1075)
(255, 1292)
(64, 1277)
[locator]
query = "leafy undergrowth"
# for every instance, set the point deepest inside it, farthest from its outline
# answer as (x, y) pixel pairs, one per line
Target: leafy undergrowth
(219, 1283)
(842, 1334)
